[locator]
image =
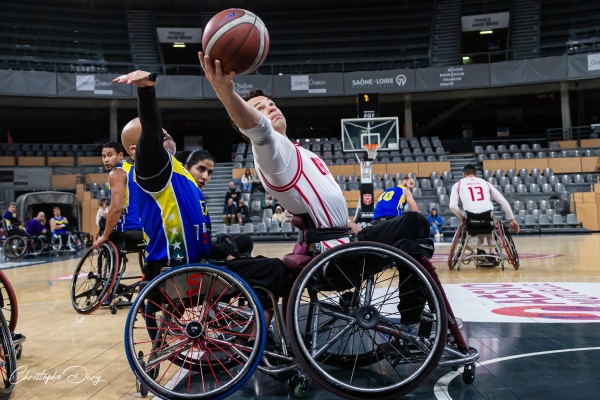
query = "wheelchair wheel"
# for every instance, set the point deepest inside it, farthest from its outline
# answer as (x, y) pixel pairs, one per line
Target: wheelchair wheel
(36, 246)
(344, 326)
(508, 244)
(8, 361)
(56, 243)
(9, 305)
(15, 247)
(94, 278)
(186, 335)
(458, 242)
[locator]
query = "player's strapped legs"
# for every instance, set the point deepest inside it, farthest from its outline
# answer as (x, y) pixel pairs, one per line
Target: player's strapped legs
(393, 232)
(269, 273)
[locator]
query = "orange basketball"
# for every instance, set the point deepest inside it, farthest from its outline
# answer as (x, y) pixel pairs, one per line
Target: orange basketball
(237, 38)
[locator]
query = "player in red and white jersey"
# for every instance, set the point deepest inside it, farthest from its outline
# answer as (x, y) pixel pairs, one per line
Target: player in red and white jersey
(296, 177)
(476, 196)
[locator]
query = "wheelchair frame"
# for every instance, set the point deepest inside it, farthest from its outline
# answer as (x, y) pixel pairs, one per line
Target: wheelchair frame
(21, 245)
(282, 365)
(462, 252)
(113, 290)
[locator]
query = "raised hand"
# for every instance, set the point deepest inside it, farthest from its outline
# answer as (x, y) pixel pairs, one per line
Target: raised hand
(214, 73)
(138, 78)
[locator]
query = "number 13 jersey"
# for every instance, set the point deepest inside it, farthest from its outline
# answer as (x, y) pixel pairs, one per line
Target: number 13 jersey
(475, 194)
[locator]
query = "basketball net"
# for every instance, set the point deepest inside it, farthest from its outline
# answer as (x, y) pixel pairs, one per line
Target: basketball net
(371, 150)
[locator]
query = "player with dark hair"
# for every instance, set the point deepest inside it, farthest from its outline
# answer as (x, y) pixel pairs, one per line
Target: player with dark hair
(201, 165)
(123, 219)
(14, 226)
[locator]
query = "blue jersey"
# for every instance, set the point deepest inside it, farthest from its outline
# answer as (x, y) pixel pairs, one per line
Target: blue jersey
(60, 225)
(391, 203)
(130, 216)
(175, 220)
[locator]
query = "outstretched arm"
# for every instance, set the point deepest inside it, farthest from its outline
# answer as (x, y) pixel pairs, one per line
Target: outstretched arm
(152, 161)
(454, 202)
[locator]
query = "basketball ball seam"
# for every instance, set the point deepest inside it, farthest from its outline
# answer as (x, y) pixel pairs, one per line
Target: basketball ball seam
(246, 18)
(244, 42)
(261, 45)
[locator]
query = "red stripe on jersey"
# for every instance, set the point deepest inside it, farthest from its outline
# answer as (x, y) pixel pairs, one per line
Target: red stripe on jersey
(287, 187)
(326, 245)
(341, 241)
(308, 203)
(320, 200)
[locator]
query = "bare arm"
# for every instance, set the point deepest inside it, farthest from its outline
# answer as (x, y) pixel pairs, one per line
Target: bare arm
(117, 179)
(454, 202)
(242, 113)
(496, 195)
(411, 201)
(53, 225)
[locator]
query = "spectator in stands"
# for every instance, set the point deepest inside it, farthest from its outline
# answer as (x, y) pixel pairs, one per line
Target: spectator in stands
(247, 181)
(279, 216)
(101, 217)
(37, 227)
(13, 225)
(232, 193)
(268, 202)
(435, 223)
(256, 183)
(229, 212)
(243, 214)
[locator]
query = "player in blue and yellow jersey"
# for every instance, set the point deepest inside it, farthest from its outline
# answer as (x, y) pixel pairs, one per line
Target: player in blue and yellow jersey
(392, 201)
(172, 208)
(123, 220)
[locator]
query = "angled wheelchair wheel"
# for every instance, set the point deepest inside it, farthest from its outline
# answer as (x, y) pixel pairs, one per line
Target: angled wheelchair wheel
(15, 247)
(56, 243)
(508, 244)
(344, 324)
(94, 278)
(36, 246)
(458, 243)
(9, 305)
(186, 335)
(8, 360)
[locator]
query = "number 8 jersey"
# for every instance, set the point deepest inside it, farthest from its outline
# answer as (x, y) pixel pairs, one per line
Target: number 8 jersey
(474, 193)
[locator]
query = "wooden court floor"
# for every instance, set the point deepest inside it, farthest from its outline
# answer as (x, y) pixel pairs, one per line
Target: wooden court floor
(83, 356)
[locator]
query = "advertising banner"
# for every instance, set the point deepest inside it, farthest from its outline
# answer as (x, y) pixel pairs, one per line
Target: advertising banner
(392, 81)
(465, 76)
(310, 85)
(98, 85)
(243, 85)
(179, 35)
(584, 66)
(527, 71)
(28, 83)
(485, 22)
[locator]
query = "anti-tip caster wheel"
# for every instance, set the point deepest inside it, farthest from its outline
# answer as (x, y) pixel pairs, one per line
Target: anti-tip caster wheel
(301, 387)
(19, 351)
(469, 374)
(113, 309)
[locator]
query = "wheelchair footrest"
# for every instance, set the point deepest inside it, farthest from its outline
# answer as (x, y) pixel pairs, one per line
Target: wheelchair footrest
(18, 338)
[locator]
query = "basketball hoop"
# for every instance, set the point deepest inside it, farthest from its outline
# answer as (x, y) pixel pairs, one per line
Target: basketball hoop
(371, 149)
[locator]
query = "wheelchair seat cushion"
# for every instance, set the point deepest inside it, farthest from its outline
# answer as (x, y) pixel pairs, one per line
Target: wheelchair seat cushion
(480, 223)
(298, 259)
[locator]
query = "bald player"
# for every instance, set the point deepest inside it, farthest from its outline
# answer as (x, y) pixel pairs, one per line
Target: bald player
(172, 206)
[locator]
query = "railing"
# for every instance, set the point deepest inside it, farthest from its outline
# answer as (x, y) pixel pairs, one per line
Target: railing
(577, 133)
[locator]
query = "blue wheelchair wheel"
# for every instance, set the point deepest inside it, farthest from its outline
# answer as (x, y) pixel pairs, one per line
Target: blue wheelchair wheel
(187, 335)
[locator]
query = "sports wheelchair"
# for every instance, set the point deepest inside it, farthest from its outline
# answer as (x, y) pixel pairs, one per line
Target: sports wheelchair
(97, 280)
(18, 246)
(186, 335)
(463, 252)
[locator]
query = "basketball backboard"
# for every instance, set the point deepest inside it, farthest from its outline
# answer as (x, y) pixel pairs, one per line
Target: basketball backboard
(357, 132)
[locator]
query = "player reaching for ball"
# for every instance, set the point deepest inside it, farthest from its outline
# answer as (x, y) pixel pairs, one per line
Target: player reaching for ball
(296, 177)
(302, 183)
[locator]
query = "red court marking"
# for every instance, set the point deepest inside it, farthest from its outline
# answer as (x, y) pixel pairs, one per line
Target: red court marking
(67, 277)
(575, 313)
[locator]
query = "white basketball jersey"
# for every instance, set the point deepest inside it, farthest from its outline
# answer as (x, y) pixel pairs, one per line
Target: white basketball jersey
(307, 187)
(475, 194)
